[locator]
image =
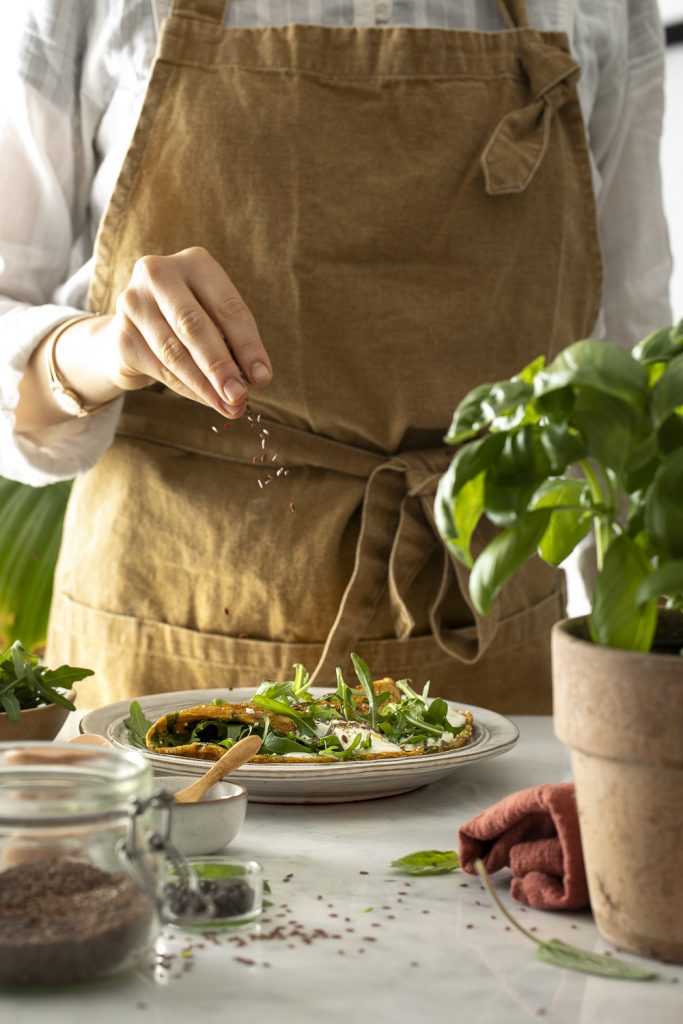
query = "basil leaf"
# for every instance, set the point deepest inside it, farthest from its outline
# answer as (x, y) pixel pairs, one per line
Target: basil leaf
(561, 954)
(428, 862)
(503, 557)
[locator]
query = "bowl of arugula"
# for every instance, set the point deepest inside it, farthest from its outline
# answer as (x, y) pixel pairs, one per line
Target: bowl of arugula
(34, 700)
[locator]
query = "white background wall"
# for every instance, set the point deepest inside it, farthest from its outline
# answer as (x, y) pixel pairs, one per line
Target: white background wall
(672, 155)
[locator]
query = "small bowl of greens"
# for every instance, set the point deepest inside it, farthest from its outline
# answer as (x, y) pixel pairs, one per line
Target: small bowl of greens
(34, 700)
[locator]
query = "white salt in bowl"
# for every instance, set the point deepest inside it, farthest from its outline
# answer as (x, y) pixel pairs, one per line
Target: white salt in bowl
(206, 826)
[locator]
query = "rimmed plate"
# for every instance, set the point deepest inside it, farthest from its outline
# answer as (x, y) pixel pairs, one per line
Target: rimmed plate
(283, 783)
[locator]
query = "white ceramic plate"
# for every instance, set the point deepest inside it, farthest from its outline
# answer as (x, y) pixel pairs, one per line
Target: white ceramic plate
(310, 783)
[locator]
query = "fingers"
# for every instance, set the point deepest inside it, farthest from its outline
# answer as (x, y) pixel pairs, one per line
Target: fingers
(219, 296)
(182, 321)
(149, 344)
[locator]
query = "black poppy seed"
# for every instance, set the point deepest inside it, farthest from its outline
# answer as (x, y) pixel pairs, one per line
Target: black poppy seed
(363, 872)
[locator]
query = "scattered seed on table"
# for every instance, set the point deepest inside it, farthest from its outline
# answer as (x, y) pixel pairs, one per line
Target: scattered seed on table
(292, 504)
(469, 926)
(226, 611)
(260, 483)
(215, 429)
(363, 872)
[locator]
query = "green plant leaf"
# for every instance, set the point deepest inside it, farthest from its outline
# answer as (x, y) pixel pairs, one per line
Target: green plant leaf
(667, 394)
(469, 417)
(457, 518)
(486, 405)
(663, 506)
(662, 345)
(30, 534)
(503, 557)
(561, 954)
(514, 476)
(609, 426)
(599, 366)
(570, 522)
(563, 445)
(666, 581)
(428, 862)
(617, 619)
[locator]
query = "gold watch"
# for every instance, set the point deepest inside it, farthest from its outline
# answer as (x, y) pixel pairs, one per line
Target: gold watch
(68, 400)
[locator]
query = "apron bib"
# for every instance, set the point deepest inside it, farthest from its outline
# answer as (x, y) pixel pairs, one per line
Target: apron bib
(408, 213)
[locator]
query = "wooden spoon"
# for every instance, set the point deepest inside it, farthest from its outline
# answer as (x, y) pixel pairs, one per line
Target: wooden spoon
(231, 759)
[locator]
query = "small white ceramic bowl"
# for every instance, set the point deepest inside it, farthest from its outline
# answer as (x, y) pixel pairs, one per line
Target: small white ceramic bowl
(207, 826)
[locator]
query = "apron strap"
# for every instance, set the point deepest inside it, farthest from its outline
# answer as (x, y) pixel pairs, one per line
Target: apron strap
(513, 13)
(518, 144)
(213, 11)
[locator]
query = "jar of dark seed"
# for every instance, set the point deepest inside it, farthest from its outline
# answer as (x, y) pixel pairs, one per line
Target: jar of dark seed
(68, 910)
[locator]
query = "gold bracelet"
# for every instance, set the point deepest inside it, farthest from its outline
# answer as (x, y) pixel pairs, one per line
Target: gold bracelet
(68, 400)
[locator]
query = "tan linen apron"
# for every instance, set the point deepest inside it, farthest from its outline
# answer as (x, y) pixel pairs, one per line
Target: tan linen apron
(408, 213)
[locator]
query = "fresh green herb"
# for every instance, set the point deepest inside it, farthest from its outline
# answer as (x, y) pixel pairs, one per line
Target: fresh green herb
(615, 419)
(305, 720)
(137, 725)
(25, 683)
(365, 679)
(561, 954)
(301, 680)
(428, 862)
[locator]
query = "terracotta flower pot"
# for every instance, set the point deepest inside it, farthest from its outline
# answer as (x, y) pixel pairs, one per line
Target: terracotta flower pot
(42, 723)
(621, 714)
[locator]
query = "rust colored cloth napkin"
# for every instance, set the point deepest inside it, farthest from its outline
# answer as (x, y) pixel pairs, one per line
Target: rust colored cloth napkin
(536, 834)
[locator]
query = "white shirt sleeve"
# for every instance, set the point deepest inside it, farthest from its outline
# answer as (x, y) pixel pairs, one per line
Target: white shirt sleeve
(37, 182)
(625, 131)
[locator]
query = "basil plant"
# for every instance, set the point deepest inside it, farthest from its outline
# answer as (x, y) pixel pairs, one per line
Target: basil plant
(594, 441)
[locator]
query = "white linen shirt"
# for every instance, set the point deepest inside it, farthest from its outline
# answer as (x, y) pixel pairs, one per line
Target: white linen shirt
(72, 81)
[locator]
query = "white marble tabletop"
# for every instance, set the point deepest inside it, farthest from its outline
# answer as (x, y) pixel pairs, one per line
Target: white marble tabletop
(348, 939)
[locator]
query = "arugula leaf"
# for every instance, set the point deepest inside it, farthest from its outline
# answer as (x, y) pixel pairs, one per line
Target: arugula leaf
(365, 679)
(137, 725)
(281, 708)
(428, 862)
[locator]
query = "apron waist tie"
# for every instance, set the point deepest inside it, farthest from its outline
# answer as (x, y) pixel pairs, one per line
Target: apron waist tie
(393, 545)
(397, 534)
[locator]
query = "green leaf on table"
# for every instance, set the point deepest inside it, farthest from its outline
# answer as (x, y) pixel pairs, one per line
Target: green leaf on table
(428, 862)
(561, 954)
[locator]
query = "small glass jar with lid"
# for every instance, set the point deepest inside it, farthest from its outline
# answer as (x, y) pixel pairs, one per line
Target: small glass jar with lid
(69, 907)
